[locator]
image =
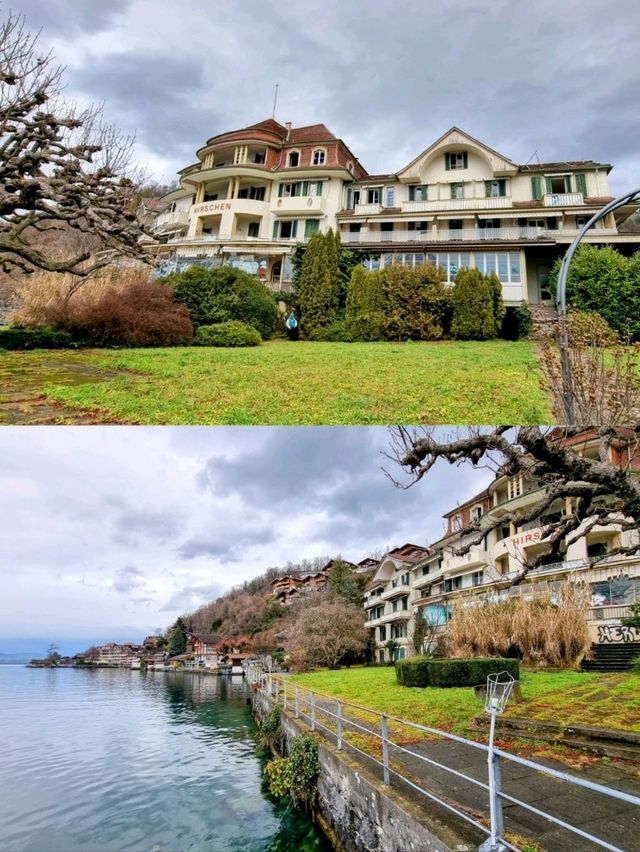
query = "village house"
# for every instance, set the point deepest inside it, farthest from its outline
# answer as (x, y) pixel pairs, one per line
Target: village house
(254, 193)
(442, 579)
(204, 649)
(290, 587)
(113, 654)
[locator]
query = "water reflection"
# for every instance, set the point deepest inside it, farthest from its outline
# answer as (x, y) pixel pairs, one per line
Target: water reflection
(119, 760)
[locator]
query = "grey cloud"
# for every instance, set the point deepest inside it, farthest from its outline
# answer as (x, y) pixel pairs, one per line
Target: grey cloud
(157, 94)
(190, 597)
(128, 579)
(68, 17)
(228, 545)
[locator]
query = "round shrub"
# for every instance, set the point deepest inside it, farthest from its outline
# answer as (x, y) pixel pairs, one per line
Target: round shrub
(215, 296)
(231, 333)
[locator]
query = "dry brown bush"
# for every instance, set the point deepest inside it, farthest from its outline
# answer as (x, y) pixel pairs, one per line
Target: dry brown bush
(119, 307)
(546, 629)
(604, 384)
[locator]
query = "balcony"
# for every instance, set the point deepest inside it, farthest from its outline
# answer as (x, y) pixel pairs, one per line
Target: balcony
(299, 204)
(457, 204)
(562, 199)
(367, 209)
(396, 589)
(171, 221)
(476, 558)
(401, 614)
(442, 235)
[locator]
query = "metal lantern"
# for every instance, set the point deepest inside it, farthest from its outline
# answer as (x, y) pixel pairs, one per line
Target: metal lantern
(499, 687)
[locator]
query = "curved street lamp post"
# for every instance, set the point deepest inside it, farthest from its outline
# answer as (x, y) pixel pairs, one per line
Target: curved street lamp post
(561, 298)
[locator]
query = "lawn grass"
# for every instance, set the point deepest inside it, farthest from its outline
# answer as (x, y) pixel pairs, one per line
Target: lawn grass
(297, 383)
(611, 700)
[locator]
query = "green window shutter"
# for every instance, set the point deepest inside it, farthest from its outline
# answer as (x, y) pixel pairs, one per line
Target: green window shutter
(275, 230)
(568, 183)
(447, 161)
(503, 188)
(536, 188)
(280, 190)
(305, 187)
(465, 160)
(310, 227)
(581, 184)
(294, 229)
(549, 185)
(424, 192)
(487, 188)
(319, 188)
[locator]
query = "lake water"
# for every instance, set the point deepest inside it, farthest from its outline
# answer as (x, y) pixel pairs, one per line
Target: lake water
(122, 760)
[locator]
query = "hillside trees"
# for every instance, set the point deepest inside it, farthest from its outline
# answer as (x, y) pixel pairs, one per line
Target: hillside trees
(62, 170)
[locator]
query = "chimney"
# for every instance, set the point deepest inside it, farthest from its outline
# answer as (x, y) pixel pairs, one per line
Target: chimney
(288, 126)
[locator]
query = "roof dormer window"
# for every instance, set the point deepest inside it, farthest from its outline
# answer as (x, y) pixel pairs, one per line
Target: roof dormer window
(293, 159)
(319, 157)
(456, 160)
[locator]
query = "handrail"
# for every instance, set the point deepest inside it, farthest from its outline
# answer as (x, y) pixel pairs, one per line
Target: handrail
(266, 681)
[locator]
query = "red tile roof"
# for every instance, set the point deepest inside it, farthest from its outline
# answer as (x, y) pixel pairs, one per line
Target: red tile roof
(311, 133)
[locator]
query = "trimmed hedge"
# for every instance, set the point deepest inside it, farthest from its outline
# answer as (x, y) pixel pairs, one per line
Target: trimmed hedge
(424, 671)
(13, 337)
(232, 333)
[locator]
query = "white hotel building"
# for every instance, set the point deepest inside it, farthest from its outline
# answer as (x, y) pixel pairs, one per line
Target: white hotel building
(254, 193)
(412, 581)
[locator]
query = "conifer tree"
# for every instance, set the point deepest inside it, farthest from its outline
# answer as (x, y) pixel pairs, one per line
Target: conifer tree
(364, 314)
(473, 307)
(177, 639)
(319, 291)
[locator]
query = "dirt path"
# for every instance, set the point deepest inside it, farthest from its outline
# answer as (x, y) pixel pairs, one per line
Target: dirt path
(22, 402)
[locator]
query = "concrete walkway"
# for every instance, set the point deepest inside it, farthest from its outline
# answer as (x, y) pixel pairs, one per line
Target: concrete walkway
(611, 820)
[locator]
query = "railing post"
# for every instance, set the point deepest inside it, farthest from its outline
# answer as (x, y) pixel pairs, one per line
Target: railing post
(313, 711)
(384, 728)
(284, 699)
(339, 715)
(296, 703)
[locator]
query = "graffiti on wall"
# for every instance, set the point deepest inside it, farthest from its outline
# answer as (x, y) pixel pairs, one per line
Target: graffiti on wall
(611, 633)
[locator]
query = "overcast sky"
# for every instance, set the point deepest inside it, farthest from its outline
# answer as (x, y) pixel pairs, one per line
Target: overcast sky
(553, 79)
(112, 532)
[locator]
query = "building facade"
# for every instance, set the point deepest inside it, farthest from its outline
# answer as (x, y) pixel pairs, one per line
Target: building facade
(255, 193)
(441, 579)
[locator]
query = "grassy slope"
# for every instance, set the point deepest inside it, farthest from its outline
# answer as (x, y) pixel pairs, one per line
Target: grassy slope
(566, 697)
(310, 383)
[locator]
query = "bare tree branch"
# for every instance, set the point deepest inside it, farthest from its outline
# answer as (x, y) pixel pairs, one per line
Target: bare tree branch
(592, 492)
(60, 166)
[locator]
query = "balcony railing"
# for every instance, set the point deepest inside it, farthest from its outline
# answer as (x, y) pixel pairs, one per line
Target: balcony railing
(367, 209)
(174, 219)
(457, 204)
(442, 235)
(609, 613)
(562, 199)
(299, 204)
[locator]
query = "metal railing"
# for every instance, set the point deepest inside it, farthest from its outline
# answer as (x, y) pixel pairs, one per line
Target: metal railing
(314, 707)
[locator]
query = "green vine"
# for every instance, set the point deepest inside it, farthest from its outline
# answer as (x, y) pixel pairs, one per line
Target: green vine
(271, 728)
(297, 774)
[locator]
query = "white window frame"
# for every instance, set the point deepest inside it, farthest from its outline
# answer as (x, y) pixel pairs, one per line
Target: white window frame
(289, 153)
(456, 160)
(315, 156)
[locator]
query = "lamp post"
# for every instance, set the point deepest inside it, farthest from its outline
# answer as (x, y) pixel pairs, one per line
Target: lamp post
(499, 688)
(561, 297)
